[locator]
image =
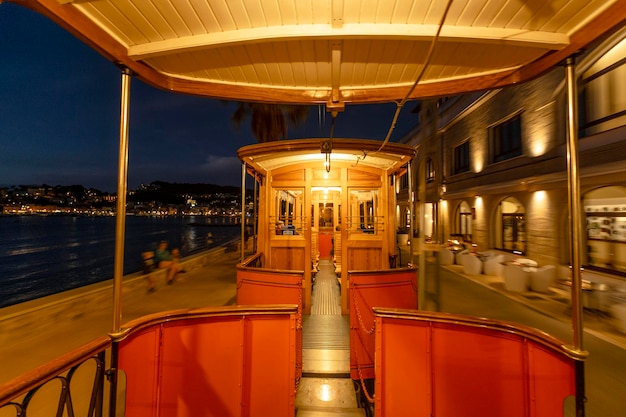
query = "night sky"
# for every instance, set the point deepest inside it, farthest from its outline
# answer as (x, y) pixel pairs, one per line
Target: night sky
(60, 110)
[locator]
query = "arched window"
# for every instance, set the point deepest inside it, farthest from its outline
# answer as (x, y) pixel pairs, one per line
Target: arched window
(605, 210)
(510, 226)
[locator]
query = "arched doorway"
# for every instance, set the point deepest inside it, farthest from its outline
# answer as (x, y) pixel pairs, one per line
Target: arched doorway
(463, 222)
(510, 226)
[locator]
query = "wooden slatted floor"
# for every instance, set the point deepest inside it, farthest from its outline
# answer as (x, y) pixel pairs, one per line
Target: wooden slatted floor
(326, 388)
(326, 333)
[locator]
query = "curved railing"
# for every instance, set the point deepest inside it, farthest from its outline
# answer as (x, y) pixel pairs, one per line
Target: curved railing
(72, 382)
(253, 261)
(468, 366)
(209, 362)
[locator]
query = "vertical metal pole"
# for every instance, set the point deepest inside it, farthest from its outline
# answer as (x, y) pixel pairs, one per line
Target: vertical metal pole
(254, 215)
(120, 218)
(243, 211)
(412, 210)
(120, 226)
(575, 221)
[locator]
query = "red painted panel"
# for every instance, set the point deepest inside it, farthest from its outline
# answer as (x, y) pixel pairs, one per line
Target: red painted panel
(325, 245)
(552, 379)
(477, 373)
(403, 369)
(270, 363)
(139, 359)
(258, 288)
(427, 368)
(201, 368)
(388, 289)
(268, 288)
(212, 366)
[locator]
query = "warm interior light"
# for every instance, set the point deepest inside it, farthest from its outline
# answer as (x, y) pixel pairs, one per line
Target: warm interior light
(326, 393)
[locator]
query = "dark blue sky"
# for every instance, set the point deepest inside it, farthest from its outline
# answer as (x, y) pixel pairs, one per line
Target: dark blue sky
(59, 118)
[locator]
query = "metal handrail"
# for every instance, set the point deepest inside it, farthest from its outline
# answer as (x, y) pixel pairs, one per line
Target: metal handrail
(19, 391)
(545, 339)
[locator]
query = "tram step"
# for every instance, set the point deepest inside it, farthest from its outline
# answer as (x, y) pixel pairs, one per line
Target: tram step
(330, 411)
(325, 393)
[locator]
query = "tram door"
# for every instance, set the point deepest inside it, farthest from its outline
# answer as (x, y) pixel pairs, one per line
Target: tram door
(326, 220)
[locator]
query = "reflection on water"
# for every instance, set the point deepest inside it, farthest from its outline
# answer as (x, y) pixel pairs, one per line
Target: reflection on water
(45, 255)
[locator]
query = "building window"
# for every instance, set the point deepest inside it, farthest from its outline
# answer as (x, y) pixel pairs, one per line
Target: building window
(462, 158)
(505, 139)
(404, 182)
(430, 170)
(511, 226)
(602, 88)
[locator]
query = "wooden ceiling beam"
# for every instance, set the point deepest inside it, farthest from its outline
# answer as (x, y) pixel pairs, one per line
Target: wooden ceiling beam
(396, 32)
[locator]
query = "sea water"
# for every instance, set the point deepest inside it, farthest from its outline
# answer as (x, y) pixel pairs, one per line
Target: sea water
(44, 255)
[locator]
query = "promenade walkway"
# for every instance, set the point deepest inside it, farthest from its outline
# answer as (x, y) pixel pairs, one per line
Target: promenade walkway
(35, 332)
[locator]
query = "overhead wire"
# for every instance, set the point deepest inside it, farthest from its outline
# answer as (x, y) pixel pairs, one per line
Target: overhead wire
(419, 77)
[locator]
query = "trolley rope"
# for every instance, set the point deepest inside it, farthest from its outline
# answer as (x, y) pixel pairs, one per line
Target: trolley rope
(354, 290)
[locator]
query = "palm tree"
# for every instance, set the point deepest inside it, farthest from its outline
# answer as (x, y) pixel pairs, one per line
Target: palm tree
(269, 121)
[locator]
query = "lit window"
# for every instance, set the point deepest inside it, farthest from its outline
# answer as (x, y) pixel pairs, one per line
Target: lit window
(505, 139)
(462, 158)
(430, 170)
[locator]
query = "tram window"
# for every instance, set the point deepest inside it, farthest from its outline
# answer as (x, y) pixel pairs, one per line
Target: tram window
(327, 216)
(288, 210)
(364, 210)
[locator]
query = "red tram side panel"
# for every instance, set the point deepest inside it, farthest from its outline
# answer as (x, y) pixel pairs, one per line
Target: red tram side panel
(394, 288)
(427, 367)
(211, 367)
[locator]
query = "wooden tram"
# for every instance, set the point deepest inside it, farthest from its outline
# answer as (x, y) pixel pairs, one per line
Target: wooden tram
(324, 204)
(338, 205)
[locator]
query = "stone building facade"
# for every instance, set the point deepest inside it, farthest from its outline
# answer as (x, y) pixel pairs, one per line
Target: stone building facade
(492, 166)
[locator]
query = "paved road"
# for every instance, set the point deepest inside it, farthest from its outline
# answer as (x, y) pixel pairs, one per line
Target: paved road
(605, 368)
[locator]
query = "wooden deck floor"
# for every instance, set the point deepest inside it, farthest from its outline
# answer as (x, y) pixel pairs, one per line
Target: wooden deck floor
(326, 333)
(326, 388)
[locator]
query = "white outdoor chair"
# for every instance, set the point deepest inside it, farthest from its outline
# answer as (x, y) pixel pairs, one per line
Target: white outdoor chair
(493, 265)
(516, 278)
(542, 278)
(618, 311)
(472, 265)
(458, 258)
(446, 257)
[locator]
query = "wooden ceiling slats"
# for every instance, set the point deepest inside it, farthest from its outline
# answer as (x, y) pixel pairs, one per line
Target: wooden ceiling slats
(363, 51)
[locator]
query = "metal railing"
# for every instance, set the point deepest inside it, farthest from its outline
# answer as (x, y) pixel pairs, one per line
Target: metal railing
(71, 383)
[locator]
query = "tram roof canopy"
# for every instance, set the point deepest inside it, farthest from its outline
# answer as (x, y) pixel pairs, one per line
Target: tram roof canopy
(267, 156)
(334, 52)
